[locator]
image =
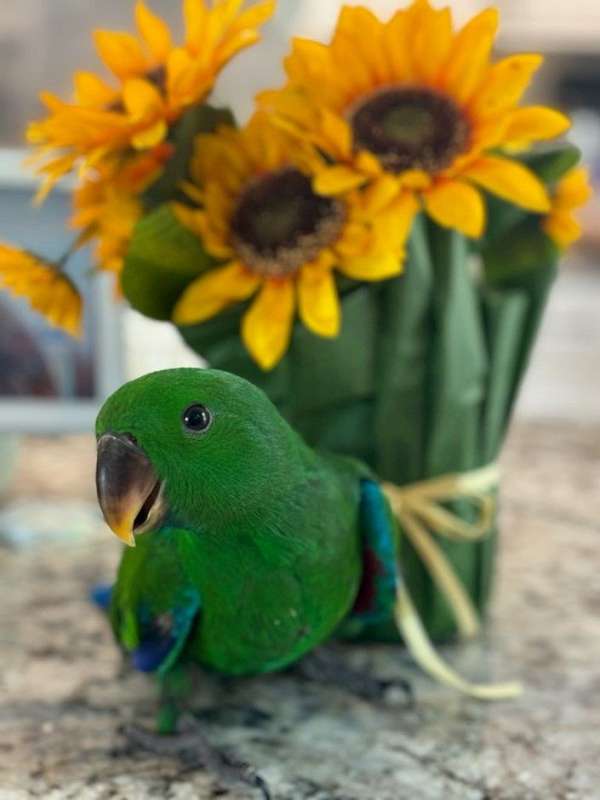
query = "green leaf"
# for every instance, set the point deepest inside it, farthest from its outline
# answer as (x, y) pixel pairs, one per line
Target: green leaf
(163, 258)
(552, 163)
(198, 119)
(524, 250)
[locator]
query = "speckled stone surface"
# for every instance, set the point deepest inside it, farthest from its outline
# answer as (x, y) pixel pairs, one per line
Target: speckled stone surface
(64, 695)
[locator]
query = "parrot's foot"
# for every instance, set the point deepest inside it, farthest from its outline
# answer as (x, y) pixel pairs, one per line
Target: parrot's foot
(192, 747)
(325, 666)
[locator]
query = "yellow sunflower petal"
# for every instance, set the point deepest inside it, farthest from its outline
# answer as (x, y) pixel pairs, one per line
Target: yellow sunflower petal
(562, 228)
(254, 16)
(150, 136)
(214, 291)
(91, 90)
(454, 204)
(509, 180)
(154, 31)
(318, 301)
(390, 228)
(195, 15)
(267, 325)
(49, 291)
(376, 267)
(243, 31)
(573, 190)
(469, 55)
(337, 180)
(534, 123)
(187, 81)
(359, 29)
(121, 52)
(380, 193)
(504, 84)
(431, 43)
(141, 99)
(337, 132)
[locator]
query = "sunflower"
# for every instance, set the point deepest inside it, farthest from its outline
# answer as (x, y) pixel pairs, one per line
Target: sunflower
(279, 241)
(570, 193)
(107, 205)
(419, 101)
(155, 82)
(48, 289)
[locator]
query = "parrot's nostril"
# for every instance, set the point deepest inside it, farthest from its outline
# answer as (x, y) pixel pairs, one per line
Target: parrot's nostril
(130, 438)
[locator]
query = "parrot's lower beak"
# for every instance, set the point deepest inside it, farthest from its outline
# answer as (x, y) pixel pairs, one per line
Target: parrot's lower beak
(129, 490)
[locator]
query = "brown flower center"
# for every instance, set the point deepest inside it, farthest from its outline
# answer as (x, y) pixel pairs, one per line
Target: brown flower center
(409, 128)
(280, 223)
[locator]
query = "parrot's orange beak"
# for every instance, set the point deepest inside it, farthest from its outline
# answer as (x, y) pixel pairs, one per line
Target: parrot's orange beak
(129, 490)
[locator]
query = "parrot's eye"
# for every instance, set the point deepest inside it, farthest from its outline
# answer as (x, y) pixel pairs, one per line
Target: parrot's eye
(197, 418)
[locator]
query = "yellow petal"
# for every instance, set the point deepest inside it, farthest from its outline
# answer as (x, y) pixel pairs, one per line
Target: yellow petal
(195, 15)
(318, 301)
(214, 291)
(243, 31)
(151, 136)
(454, 204)
(141, 99)
(187, 81)
(359, 29)
(573, 190)
(431, 43)
(375, 267)
(504, 85)
(509, 180)
(122, 53)
(91, 90)
(154, 31)
(267, 325)
(337, 133)
(396, 40)
(380, 194)
(562, 228)
(308, 63)
(533, 123)
(49, 291)
(254, 16)
(337, 180)
(469, 55)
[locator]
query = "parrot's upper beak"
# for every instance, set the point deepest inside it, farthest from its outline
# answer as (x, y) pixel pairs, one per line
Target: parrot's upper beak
(129, 490)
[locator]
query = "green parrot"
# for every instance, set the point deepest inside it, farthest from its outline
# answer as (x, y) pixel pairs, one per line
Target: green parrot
(247, 548)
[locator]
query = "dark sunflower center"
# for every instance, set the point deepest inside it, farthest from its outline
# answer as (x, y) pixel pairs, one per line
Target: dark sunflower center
(280, 223)
(410, 128)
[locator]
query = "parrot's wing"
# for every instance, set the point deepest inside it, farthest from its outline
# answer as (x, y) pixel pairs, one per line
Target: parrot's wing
(381, 574)
(154, 604)
(163, 637)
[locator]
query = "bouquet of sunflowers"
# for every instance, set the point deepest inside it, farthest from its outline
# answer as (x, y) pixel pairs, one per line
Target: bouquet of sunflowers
(374, 248)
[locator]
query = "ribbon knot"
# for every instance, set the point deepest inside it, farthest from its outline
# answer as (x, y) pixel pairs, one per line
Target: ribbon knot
(419, 509)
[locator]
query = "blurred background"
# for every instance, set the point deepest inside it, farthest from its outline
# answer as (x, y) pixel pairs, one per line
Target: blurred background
(41, 43)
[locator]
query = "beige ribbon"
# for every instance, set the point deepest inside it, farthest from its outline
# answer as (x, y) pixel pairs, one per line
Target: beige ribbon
(418, 509)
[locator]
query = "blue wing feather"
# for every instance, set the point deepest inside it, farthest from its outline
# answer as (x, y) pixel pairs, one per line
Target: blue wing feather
(381, 574)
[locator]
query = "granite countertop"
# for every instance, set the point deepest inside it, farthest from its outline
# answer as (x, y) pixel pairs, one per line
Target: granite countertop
(63, 692)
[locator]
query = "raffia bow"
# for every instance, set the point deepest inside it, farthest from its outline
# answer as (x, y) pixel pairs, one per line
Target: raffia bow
(420, 513)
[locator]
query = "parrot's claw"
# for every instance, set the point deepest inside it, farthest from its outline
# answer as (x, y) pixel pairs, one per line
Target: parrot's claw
(324, 666)
(192, 747)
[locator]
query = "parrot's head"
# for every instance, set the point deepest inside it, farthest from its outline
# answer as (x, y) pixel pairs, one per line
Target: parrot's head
(188, 447)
